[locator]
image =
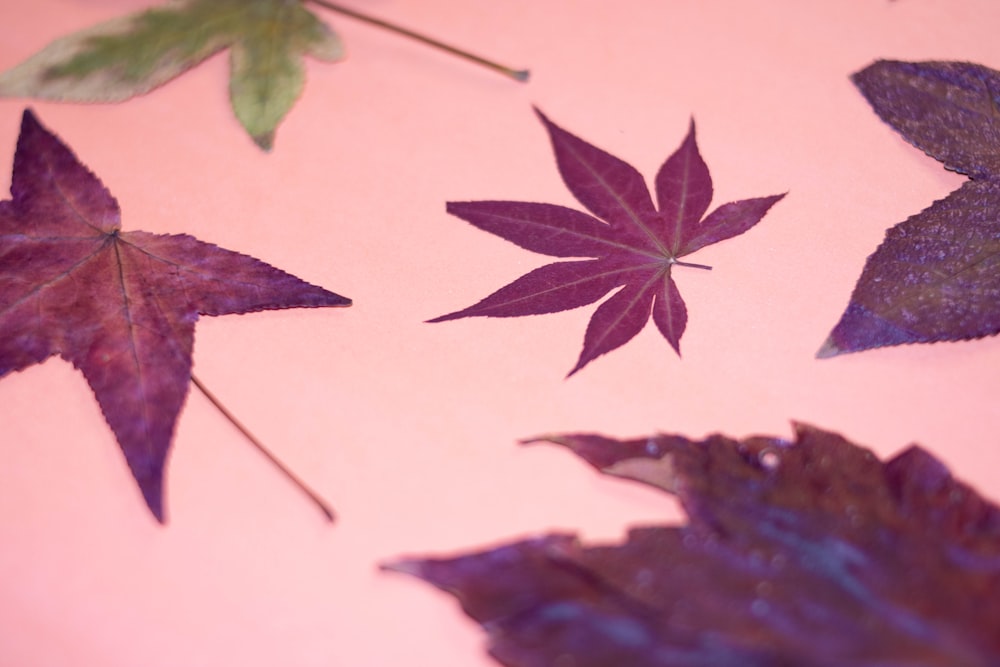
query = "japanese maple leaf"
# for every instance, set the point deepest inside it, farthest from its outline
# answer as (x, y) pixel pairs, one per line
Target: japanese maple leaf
(633, 244)
(810, 552)
(120, 306)
(134, 54)
(936, 276)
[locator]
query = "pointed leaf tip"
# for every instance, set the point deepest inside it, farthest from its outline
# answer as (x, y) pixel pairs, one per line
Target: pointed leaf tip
(828, 349)
(413, 568)
(265, 141)
(28, 117)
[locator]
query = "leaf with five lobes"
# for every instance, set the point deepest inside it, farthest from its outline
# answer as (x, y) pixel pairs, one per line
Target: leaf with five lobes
(936, 276)
(634, 244)
(132, 55)
(807, 553)
(120, 306)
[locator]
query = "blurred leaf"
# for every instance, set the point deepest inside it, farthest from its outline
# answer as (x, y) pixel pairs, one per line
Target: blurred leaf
(810, 552)
(132, 55)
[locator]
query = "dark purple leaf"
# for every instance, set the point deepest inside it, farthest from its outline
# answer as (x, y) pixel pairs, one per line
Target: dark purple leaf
(936, 276)
(635, 245)
(120, 306)
(810, 552)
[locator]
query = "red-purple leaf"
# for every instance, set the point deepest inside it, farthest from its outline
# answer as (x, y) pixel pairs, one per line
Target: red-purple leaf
(120, 306)
(936, 276)
(810, 552)
(634, 244)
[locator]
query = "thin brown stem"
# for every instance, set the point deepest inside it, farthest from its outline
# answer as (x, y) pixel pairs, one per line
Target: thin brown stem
(692, 266)
(516, 74)
(313, 496)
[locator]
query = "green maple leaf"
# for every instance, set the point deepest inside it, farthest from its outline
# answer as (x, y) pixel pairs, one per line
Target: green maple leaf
(133, 54)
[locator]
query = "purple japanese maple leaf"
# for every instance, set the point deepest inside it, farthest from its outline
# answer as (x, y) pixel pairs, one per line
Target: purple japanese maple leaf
(120, 306)
(810, 552)
(633, 244)
(936, 276)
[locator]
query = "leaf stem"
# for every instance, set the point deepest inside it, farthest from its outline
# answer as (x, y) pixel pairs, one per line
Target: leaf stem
(313, 496)
(516, 74)
(692, 266)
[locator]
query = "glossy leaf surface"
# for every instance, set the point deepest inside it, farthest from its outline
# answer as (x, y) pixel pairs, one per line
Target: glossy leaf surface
(134, 54)
(633, 244)
(120, 306)
(936, 276)
(811, 552)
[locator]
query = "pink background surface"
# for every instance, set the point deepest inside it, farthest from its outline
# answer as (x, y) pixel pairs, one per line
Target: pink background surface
(410, 429)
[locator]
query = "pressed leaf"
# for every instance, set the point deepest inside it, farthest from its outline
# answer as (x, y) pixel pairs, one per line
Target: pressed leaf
(120, 306)
(936, 276)
(807, 553)
(635, 245)
(132, 55)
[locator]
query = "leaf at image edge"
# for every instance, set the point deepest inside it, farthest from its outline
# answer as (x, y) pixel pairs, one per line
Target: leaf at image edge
(134, 54)
(810, 552)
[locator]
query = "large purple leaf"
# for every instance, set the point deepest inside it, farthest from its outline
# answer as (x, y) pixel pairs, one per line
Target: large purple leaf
(120, 306)
(810, 552)
(634, 244)
(936, 276)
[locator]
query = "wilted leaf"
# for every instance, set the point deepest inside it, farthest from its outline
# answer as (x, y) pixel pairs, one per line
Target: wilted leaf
(120, 306)
(129, 56)
(800, 553)
(634, 244)
(936, 276)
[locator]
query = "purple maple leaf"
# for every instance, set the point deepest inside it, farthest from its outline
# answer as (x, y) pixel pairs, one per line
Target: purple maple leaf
(801, 553)
(120, 306)
(936, 276)
(633, 245)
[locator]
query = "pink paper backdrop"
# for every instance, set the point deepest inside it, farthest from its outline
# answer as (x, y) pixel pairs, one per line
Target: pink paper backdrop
(410, 429)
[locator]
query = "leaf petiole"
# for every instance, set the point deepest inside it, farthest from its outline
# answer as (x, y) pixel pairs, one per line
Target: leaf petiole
(313, 496)
(516, 74)
(691, 265)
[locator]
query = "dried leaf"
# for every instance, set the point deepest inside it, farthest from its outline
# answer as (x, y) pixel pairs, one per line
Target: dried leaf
(810, 552)
(634, 245)
(936, 276)
(120, 306)
(134, 54)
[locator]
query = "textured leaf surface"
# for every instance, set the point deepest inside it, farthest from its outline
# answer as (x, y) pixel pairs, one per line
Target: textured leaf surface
(936, 276)
(810, 552)
(120, 306)
(633, 245)
(129, 56)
